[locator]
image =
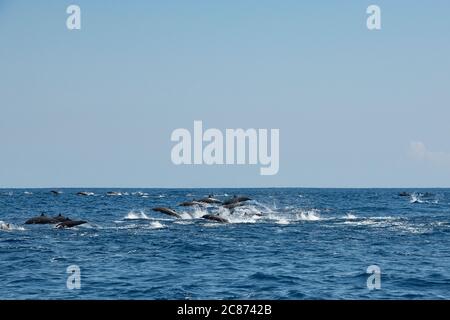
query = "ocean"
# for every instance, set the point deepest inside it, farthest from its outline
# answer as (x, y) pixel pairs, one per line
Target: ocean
(285, 243)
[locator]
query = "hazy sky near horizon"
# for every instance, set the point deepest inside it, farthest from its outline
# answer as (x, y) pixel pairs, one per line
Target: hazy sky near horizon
(96, 107)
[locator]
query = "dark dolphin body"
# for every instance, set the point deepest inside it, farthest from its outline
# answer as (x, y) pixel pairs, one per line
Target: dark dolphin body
(42, 219)
(60, 218)
(191, 203)
(84, 193)
(167, 211)
(404, 194)
(113, 193)
(233, 205)
(236, 200)
(215, 218)
(55, 192)
(69, 224)
(210, 200)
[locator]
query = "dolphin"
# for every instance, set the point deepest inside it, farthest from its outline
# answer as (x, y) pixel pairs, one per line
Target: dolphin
(113, 193)
(215, 218)
(233, 205)
(69, 224)
(191, 203)
(42, 219)
(55, 192)
(236, 200)
(84, 193)
(404, 194)
(60, 218)
(167, 211)
(210, 200)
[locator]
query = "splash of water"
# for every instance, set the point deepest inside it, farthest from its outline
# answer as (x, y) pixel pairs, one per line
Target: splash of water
(136, 215)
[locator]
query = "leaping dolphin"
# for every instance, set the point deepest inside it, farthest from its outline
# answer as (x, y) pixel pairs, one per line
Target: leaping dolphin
(236, 200)
(210, 199)
(215, 218)
(191, 203)
(233, 205)
(167, 211)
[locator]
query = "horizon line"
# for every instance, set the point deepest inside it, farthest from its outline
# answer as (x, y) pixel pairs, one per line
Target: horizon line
(254, 187)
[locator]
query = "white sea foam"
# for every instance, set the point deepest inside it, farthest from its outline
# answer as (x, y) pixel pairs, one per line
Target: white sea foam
(350, 216)
(10, 227)
(310, 215)
(415, 198)
(156, 225)
(136, 215)
(140, 194)
(390, 223)
(282, 221)
(183, 222)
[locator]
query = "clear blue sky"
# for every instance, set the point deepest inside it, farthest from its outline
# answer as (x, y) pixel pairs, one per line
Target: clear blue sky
(96, 107)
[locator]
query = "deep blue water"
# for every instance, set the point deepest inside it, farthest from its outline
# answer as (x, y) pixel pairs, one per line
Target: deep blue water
(305, 244)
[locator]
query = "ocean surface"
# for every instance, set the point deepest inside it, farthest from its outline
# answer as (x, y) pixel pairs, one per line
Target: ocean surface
(283, 244)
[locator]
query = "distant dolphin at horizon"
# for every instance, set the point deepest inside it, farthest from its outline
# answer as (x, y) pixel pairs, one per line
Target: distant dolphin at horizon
(114, 193)
(85, 193)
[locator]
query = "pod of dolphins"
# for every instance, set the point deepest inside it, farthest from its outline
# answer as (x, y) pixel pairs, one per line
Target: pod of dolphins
(228, 204)
(62, 222)
(59, 221)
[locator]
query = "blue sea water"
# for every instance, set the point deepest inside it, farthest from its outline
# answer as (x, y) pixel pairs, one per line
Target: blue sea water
(284, 244)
